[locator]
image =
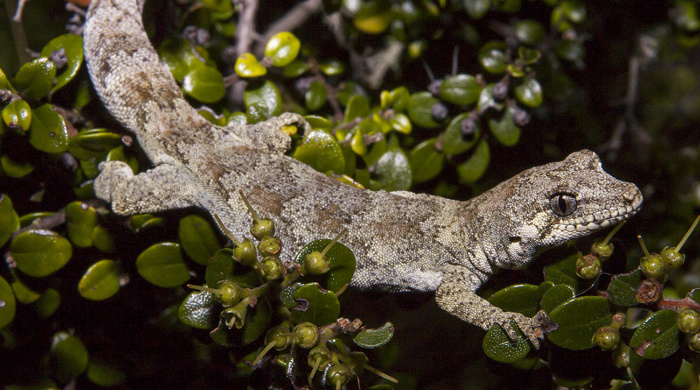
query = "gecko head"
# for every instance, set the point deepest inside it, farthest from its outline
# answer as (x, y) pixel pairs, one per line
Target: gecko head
(554, 203)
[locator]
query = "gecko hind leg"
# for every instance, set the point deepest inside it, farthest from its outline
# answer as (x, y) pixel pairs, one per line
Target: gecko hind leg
(267, 135)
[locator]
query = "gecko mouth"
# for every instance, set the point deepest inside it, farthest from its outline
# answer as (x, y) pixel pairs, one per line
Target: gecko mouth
(604, 218)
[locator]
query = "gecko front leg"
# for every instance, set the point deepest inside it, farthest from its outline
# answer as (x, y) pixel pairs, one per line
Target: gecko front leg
(456, 295)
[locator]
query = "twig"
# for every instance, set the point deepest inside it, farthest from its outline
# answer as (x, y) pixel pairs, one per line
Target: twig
(20, 7)
(18, 33)
(246, 26)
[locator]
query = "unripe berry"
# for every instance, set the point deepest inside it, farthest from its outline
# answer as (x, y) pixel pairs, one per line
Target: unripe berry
(689, 321)
(338, 375)
(270, 246)
(272, 268)
(245, 253)
(672, 258)
(653, 266)
(316, 263)
(306, 335)
(588, 267)
(607, 337)
(262, 228)
(602, 250)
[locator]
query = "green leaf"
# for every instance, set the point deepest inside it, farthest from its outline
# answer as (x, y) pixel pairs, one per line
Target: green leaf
(73, 46)
(295, 69)
(529, 31)
(199, 310)
(100, 281)
(357, 107)
(499, 347)
(7, 303)
(397, 98)
(102, 240)
(477, 8)
(39, 253)
(247, 66)
(282, 48)
(373, 17)
(257, 321)
(505, 130)
(492, 56)
(453, 142)
(426, 161)
(14, 169)
(623, 288)
(556, 296)
(222, 267)
(578, 319)
(563, 272)
(17, 114)
(475, 167)
(394, 170)
(9, 221)
(69, 356)
(145, 221)
(81, 221)
(262, 102)
(420, 107)
(332, 67)
(487, 100)
(321, 151)
(657, 336)
(162, 265)
(104, 375)
(220, 9)
(374, 338)
(48, 131)
(316, 96)
(318, 122)
(180, 57)
(35, 79)
(205, 84)
(94, 143)
(519, 298)
(529, 93)
(315, 305)
(5, 83)
(48, 303)
(461, 89)
(342, 263)
(23, 293)
(198, 239)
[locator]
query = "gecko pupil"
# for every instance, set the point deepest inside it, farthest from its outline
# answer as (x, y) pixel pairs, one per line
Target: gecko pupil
(562, 205)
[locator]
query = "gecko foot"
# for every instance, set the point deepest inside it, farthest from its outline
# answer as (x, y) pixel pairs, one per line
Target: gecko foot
(112, 174)
(533, 328)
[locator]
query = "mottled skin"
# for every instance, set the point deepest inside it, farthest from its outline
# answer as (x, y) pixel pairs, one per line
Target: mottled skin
(403, 241)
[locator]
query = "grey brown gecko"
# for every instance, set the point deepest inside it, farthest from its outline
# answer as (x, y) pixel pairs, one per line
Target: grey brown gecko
(403, 241)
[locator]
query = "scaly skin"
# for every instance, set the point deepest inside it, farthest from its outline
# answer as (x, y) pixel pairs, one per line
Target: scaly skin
(403, 241)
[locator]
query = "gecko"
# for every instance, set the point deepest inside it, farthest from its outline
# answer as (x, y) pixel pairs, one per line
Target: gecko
(403, 241)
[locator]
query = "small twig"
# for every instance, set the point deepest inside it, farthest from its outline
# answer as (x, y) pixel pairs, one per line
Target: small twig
(20, 7)
(18, 33)
(246, 26)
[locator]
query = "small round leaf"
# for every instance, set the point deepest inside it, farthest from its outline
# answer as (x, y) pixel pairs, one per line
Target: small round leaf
(373, 17)
(262, 102)
(316, 96)
(492, 56)
(222, 267)
(657, 336)
(477, 8)
(499, 347)
(420, 109)
(461, 89)
(162, 264)
(7, 303)
(199, 310)
(578, 319)
(81, 220)
(69, 355)
(454, 142)
(73, 46)
(48, 303)
(394, 170)
(426, 161)
(100, 281)
(17, 114)
(342, 263)
(282, 48)
(623, 288)
(529, 93)
(39, 253)
(315, 305)
(320, 150)
(35, 79)
(475, 167)
(104, 375)
(9, 221)
(198, 238)
(505, 130)
(205, 84)
(48, 131)
(248, 66)
(374, 338)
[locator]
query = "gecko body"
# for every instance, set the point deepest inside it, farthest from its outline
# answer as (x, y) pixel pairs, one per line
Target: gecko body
(403, 241)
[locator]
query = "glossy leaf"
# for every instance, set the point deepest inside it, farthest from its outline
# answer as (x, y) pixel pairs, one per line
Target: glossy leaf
(393, 170)
(81, 221)
(529, 93)
(73, 46)
(257, 322)
(94, 143)
(320, 150)
(199, 310)
(35, 79)
(396, 98)
(14, 169)
(48, 303)
(426, 161)
(657, 336)
(475, 167)
(460, 89)
(48, 131)
(5, 83)
(248, 66)
(198, 238)
(162, 264)
(145, 221)
(499, 347)
(7, 303)
(374, 338)
(104, 375)
(487, 100)
(529, 31)
(563, 272)
(477, 8)
(373, 17)
(492, 56)
(205, 84)
(68, 355)
(420, 107)
(17, 114)
(295, 69)
(282, 48)
(102, 240)
(505, 130)
(262, 102)
(342, 263)
(623, 288)
(100, 281)
(318, 306)
(316, 96)
(357, 107)
(578, 319)
(519, 298)
(222, 266)
(23, 293)
(556, 296)
(9, 221)
(454, 142)
(318, 122)
(332, 67)
(40, 253)
(180, 57)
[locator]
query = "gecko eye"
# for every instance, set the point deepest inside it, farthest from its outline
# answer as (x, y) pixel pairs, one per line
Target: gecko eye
(562, 205)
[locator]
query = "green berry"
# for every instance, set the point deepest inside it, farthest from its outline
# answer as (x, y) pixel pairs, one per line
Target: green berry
(279, 335)
(245, 253)
(319, 352)
(272, 268)
(653, 266)
(607, 337)
(262, 228)
(306, 335)
(270, 246)
(588, 267)
(316, 263)
(689, 321)
(338, 375)
(694, 342)
(601, 250)
(231, 293)
(672, 258)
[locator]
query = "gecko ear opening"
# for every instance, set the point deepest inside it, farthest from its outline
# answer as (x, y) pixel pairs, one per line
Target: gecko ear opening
(563, 204)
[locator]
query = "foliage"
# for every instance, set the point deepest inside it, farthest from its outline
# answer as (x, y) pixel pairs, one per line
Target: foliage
(84, 291)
